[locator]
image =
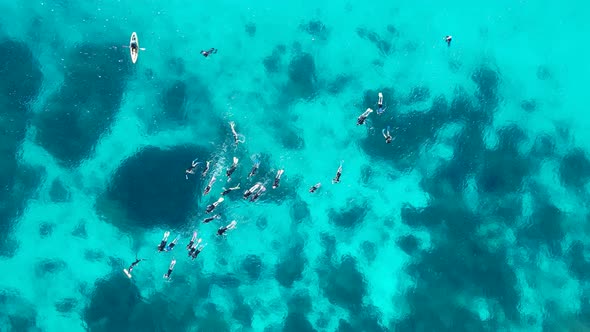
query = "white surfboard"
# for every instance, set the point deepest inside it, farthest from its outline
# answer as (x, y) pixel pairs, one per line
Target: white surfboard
(127, 273)
(134, 53)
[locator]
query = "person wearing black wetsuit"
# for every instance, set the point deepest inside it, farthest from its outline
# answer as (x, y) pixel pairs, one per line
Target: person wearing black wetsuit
(209, 52)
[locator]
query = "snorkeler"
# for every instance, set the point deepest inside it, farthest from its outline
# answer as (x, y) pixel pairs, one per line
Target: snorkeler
(172, 263)
(275, 185)
(387, 136)
(448, 39)
(172, 244)
(380, 108)
(209, 219)
(315, 187)
(206, 169)
(254, 168)
(227, 191)
(208, 188)
(252, 189)
(194, 252)
(232, 169)
(361, 119)
(234, 133)
(193, 247)
(223, 229)
(193, 239)
(128, 271)
(191, 169)
(258, 193)
(338, 174)
(210, 51)
(164, 241)
(212, 207)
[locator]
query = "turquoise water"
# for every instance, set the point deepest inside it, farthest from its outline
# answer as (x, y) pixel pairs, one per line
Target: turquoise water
(473, 219)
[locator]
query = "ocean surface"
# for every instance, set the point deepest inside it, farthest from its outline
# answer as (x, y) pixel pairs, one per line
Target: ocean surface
(474, 218)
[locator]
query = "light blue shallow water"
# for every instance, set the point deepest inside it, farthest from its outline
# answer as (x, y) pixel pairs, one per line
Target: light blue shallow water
(473, 219)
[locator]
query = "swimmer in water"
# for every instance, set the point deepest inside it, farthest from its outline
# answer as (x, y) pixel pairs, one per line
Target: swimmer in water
(252, 189)
(209, 52)
(193, 246)
(212, 207)
(232, 169)
(380, 108)
(204, 173)
(223, 229)
(275, 185)
(315, 187)
(258, 193)
(194, 252)
(448, 39)
(387, 135)
(227, 191)
(209, 219)
(193, 239)
(164, 241)
(338, 174)
(361, 119)
(232, 125)
(172, 244)
(208, 188)
(254, 168)
(172, 263)
(128, 270)
(191, 169)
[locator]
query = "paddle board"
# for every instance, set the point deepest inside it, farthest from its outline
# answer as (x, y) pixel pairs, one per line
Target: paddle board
(134, 53)
(127, 273)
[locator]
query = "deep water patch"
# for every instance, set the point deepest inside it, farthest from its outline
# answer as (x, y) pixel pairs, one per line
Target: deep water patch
(291, 265)
(151, 187)
(76, 116)
(20, 84)
(574, 169)
(343, 284)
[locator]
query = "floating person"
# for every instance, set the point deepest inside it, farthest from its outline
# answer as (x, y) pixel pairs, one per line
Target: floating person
(380, 108)
(223, 229)
(194, 252)
(192, 241)
(252, 189)
(164, 241)
(232, 169)
(128, 271)
(208, 188)
(193, 247)
(448, 39)
(191, 169)
(361, 119)
(227, 191)
(275, 185)
(209, 219)
(172, 263)
(387, 135)
(237, 139)
(338, 174)
(204, 173)
(172, 244)
(254, 168)
(260, 191)
(209, 52)
(315, 187)
(212, 207)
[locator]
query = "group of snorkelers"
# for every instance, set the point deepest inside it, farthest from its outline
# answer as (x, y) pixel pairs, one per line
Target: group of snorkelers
(380, 110)
(194, 246)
